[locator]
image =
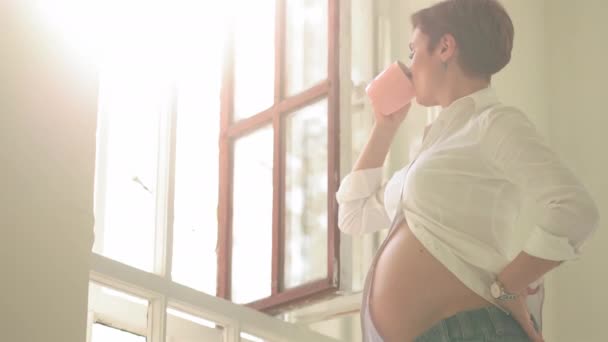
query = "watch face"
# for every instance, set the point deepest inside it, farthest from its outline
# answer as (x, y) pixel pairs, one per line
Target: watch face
(495, 290)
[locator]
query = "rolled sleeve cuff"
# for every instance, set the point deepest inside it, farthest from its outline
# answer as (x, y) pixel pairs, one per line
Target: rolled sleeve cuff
(544, 245)
(359, 184)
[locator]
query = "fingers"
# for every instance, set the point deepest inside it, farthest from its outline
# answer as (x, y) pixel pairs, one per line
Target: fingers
(525, 321)
(534, 335)
(403, 111)
(533, 291)
(396, 117)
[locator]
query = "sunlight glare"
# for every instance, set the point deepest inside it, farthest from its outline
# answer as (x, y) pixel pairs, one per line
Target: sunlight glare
(150, 32)
(143, 49)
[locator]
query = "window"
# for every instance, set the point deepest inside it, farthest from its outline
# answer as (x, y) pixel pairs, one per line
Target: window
(103, 333)
(185, 327)
(217, 153)
(116, 316)
(279, 155)
(168, 203)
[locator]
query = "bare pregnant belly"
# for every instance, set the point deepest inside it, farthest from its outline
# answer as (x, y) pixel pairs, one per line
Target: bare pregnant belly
(411, 290)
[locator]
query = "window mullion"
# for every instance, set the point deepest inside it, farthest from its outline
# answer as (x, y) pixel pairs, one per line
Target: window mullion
(162, 255)
(279, 157)
(333, 143)
(225, 169)
(157, 319)
(101, 174)
(277, 206)
(170, 203)
(232, 332)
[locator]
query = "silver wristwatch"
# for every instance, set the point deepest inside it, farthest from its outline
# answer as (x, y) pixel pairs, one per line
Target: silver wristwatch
(498, 292)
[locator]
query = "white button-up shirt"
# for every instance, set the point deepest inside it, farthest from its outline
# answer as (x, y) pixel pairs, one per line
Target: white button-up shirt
(462, 195)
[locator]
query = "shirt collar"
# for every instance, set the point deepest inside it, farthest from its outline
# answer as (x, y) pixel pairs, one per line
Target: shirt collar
(473, 103)
(484, 98)
(479, 99)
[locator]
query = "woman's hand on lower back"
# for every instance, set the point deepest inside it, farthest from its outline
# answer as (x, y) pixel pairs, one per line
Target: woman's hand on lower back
(519, 310)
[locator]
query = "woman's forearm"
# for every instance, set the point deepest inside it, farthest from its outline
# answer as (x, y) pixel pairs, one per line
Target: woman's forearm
(523, 271)
(377, 147)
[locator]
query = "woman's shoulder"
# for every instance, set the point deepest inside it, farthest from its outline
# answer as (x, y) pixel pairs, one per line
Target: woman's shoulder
(503, 117)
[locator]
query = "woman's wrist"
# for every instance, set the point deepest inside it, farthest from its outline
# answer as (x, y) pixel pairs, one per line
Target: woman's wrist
(510, 284)
(385, 129)
(523, 271)
(377, 147)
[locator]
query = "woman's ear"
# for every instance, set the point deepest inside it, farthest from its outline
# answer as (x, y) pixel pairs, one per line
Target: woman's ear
(447, 47)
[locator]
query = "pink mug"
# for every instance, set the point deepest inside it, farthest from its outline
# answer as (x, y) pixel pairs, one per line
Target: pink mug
(391, 90)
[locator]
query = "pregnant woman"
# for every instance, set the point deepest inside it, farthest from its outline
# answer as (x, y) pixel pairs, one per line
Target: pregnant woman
(443, 272)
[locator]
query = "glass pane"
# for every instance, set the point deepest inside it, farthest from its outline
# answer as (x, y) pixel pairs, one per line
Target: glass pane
(196, 171)
(306, 44)
(245, 337)
(254, 57)
(252, 217)
(104, 333)
(306, 195)
(184, 327)
(118, 308)
(127, 164)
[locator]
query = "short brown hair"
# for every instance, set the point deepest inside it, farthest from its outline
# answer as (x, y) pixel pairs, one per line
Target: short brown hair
(482, 29)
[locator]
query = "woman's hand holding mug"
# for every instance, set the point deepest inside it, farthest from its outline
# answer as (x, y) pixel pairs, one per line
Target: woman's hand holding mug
(391, 93)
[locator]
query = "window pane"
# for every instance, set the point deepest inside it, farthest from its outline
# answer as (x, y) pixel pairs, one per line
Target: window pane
(245, 337)
(184, 327)
(306, 195)
(104, 333)
(254, 57)
(306, 44)
(196, 174)
(127, 165)
(119, 309)
(252, 217)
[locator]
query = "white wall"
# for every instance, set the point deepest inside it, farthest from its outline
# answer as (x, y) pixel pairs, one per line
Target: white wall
(47, 153)
(577, 116)
(522, 82)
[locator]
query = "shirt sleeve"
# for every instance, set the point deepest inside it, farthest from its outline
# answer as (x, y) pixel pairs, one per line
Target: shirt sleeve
(518, 153)
(361, 202)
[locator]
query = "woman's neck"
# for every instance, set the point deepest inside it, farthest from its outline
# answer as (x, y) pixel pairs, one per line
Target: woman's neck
(461, 88)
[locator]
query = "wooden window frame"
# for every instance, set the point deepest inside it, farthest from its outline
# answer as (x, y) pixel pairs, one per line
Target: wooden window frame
(230, 131)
